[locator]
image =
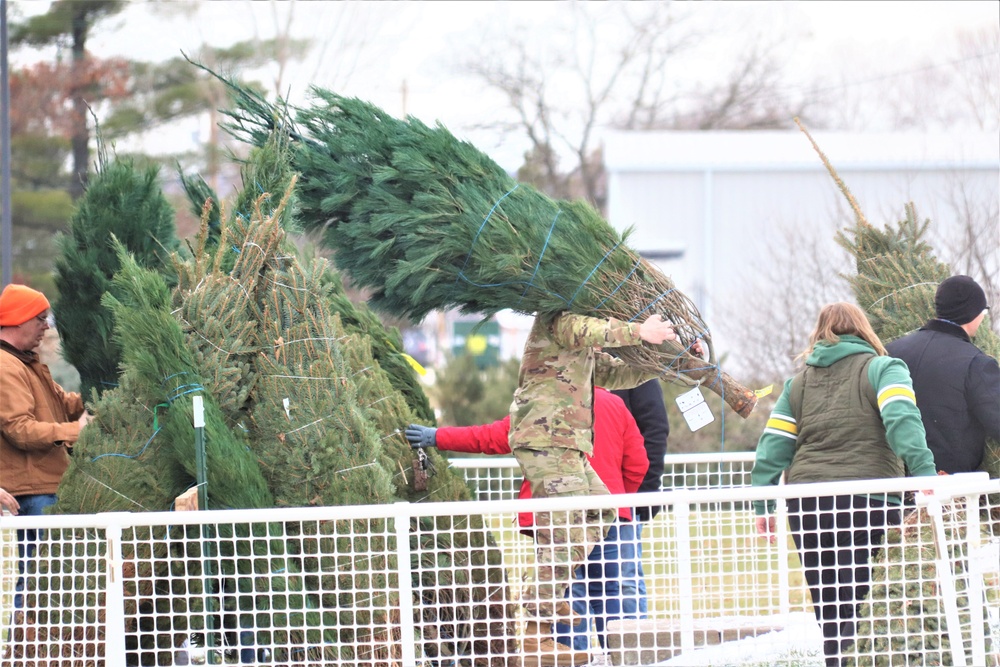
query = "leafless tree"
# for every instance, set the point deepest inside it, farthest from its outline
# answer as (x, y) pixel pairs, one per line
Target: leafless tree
(768, 321)
(978, 69)
(585, 76)
(974, 249)
(753, 96)
(581, 77)
(953, 90)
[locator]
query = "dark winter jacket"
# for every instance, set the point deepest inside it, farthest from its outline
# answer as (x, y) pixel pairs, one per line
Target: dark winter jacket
(618, 458)
(958, 392)
(645, 402)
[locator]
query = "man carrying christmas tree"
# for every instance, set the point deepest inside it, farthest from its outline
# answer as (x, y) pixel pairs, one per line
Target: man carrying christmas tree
(551, 434)
(39, 420)
(957, 386)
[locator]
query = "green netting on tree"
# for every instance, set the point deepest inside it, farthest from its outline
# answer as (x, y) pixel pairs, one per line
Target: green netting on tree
(425, 221)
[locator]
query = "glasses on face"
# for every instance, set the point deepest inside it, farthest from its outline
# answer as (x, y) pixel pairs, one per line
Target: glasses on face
(44, 318)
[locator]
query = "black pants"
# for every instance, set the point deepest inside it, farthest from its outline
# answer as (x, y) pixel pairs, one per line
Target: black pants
(836, 537)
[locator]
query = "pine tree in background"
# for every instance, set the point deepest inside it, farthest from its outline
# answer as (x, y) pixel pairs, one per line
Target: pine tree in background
(469, 395)
(124, 202)
(427, 222)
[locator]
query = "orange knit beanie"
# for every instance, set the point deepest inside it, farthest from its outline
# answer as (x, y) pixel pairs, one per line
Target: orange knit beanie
(19, 303)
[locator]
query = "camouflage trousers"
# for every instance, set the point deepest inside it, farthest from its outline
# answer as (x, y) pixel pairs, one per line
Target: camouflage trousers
(563, 538)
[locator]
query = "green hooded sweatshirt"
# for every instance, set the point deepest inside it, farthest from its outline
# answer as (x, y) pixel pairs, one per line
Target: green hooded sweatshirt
(853, 437)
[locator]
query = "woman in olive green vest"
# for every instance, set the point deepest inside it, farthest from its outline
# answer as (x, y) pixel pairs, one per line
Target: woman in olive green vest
(849, 415)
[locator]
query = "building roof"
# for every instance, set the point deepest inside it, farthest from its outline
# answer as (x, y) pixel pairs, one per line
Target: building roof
(644, 151)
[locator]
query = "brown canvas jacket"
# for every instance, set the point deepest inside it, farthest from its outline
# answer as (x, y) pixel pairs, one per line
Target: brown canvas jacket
(35, 415)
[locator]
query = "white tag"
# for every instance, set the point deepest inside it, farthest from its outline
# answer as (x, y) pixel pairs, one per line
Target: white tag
(199, 411)
(689, 399)
(698, 416)
(694, 409)
(286, 404)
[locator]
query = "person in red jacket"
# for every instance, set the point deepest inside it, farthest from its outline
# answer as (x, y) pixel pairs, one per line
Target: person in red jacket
(607, 585)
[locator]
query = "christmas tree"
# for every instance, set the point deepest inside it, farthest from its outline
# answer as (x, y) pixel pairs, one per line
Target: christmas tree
(298, 413)
(121, 201)
(385, 342)
(425, 221)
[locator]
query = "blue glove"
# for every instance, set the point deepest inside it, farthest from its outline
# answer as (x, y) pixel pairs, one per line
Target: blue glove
(421, 436)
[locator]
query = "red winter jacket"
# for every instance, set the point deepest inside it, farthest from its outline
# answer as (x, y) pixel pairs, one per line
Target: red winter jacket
(619, 457)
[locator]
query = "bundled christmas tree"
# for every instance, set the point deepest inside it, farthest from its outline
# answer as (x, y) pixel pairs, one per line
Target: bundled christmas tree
(121, 201)
(428, 222)
(385, 342)
(298, 413)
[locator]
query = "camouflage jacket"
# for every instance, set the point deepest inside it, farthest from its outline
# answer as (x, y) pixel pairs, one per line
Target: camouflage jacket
(554, 402)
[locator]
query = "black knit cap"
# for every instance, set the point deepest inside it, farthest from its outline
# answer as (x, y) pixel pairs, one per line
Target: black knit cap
(959, 299)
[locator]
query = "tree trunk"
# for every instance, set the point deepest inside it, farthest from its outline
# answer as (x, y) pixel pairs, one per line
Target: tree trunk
(81, 133)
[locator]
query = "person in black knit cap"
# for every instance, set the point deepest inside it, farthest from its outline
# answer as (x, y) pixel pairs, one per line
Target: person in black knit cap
(956, 384)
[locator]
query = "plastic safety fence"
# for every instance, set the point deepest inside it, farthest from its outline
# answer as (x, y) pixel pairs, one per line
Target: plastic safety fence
(851, 578)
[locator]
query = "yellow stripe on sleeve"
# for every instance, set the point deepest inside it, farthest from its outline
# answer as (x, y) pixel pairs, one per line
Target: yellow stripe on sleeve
(781, 425)
(895, 392)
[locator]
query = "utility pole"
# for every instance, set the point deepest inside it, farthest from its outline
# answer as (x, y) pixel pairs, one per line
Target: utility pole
(6, 226)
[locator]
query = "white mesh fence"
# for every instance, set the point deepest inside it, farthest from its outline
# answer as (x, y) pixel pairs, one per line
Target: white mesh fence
(449, 583)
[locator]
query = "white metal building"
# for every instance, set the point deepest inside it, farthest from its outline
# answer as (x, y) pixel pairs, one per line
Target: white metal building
(715, 210)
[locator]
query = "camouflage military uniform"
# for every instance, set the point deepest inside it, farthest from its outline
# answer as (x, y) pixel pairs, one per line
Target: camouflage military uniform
(552, 431)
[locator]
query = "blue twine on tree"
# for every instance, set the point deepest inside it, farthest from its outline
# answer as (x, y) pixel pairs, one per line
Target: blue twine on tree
(189, 389)
(652, 303)
(128, 456)
(156, 429)
(606, 255)
(539, 262)
(461, 271)
(624, 280)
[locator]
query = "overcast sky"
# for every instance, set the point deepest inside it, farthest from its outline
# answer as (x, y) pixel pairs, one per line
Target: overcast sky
(372, 49)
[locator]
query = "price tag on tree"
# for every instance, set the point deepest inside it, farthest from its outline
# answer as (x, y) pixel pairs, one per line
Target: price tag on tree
(694, 409)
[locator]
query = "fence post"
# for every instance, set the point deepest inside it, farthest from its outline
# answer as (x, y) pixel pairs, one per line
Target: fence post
(114, 598)
(974, 572)
(407, 634)
(946, 582)
(784, 573)
(685, 585)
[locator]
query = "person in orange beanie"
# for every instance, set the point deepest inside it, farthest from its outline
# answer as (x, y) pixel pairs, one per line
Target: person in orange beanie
(39, 420)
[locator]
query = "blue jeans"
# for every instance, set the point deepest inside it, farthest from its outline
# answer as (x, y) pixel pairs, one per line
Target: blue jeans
(610, 586)
(27, 539)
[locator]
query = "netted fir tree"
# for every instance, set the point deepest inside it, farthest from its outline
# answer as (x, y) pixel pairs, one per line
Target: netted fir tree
(287, 382)
(122, 201)
(385, 342)
(427, 222)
